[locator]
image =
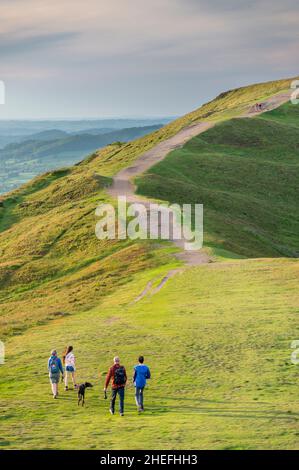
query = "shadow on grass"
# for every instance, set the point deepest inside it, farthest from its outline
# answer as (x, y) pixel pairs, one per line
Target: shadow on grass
(225, 412)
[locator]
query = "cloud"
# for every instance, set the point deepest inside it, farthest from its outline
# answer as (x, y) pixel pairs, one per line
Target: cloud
(238, 6)
(142, 47)
(12, 45)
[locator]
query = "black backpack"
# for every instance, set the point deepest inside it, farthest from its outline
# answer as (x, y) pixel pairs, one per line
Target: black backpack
(120, 376)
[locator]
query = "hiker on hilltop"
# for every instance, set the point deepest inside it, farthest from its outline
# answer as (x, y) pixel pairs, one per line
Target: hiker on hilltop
(141, 374)
(54, 368)
(68, 359)
(117, 373)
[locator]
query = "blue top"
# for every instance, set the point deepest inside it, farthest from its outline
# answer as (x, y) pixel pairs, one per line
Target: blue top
(141, 373)
(58, 364)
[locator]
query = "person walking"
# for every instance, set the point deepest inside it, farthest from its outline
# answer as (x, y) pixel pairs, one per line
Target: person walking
(117, 373)
(141, 374)
(54, 369)
(70, 367)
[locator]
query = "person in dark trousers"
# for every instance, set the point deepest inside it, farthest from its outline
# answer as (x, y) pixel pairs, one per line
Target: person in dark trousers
(141, 374)
(117, 373)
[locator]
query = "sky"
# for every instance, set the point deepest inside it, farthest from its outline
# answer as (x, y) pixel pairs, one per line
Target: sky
(131, 58)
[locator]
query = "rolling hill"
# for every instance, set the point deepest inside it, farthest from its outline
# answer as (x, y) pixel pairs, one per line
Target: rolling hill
(54, 143)
(231, 320)
(48, 150)
(246, 172)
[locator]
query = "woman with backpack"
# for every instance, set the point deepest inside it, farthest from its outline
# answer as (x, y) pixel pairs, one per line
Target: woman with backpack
(70, 366)
(54, 368)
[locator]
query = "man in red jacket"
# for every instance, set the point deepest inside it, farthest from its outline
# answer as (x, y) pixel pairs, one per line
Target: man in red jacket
(119, 379)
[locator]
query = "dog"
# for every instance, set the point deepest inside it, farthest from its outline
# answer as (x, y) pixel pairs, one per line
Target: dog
(81, 392)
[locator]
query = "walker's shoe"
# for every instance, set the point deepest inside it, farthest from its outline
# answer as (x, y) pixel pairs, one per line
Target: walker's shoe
(121, 414)
(66, 389)
(111, 411)
(139, 409)
(54, 396)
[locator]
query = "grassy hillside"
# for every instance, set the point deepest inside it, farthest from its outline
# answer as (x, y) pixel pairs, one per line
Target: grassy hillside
(51, 261)
(246, 173)
(227, 327)
(47, 240)
(209, 389)
(227, 105)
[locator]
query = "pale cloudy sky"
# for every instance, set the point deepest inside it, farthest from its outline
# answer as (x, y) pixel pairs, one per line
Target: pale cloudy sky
(100, 58)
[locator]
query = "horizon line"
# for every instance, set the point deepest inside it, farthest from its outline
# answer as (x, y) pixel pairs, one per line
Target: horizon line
(110, 118)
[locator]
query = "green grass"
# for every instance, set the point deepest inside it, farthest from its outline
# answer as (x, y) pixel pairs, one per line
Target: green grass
(217, 338)
(246, 173)
(48, 247)
(225, 106)
(51, 261)
(286, 115)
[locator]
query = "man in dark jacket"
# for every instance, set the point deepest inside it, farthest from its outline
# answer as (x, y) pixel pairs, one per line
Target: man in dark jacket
(119, 379)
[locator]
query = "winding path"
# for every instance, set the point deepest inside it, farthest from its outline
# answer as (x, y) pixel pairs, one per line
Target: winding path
(123, 186)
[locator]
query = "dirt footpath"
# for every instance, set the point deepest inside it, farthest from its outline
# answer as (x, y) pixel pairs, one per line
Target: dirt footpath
(123, 186)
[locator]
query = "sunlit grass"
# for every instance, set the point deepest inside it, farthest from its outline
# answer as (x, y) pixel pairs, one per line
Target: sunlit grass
(245, 172)
(217, 338)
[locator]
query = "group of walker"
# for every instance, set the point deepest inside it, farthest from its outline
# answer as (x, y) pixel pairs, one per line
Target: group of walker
(259, 107)
(117, 375)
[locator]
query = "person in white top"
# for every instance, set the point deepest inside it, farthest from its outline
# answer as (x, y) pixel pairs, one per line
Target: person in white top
(70, 366)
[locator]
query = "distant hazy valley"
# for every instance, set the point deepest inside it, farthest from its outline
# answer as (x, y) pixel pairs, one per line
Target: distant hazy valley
(29, 148)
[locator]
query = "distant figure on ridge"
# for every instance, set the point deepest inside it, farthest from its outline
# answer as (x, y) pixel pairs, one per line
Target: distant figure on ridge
(70, 366)
(119, 379)
(54, 368)
(141, 374)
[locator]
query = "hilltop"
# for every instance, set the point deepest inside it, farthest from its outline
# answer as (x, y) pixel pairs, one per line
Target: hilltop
(47, 240)
(246, 172)
(234, 317)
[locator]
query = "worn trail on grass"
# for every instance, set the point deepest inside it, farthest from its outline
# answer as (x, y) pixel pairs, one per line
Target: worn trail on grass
(123, 181)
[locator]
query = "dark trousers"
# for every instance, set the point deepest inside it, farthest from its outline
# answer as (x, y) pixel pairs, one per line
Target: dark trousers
(139, 396)
(121, 392)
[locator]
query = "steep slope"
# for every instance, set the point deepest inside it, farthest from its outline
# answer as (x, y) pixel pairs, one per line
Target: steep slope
(245, 172)
(51, 261)
(233, 320)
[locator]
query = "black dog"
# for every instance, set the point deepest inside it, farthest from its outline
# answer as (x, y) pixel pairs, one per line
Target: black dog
(81, 392)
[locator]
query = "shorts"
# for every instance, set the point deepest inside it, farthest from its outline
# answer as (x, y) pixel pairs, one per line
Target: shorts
(70, 369)
(54, 378)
